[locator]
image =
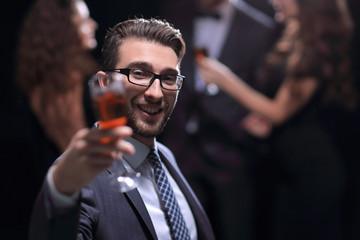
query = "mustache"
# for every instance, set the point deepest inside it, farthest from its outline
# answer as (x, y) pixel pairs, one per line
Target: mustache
(156, 104)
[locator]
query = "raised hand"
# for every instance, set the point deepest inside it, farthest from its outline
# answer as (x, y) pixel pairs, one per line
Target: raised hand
(90, 152)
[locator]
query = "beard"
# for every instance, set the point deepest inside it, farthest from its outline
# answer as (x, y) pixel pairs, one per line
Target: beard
(148, 127)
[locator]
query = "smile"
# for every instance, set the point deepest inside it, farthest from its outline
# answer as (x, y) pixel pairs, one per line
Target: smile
(149, 110)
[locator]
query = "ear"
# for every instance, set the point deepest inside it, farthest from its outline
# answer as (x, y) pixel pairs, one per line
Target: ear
(102, 79)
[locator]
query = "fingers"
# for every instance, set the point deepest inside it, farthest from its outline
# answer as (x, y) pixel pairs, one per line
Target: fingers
(125, 147)
(257, 126)
(101, 147)
(112, 134)
(100, 144)
(90, 152)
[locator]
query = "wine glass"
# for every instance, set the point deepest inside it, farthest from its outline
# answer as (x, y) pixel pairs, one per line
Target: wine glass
(107, 92)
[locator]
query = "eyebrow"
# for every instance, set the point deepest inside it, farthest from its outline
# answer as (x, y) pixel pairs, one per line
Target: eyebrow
(149, 67)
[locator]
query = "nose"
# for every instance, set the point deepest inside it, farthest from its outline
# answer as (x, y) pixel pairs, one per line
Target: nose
(154, 91)
(94, 25)
(90, 24)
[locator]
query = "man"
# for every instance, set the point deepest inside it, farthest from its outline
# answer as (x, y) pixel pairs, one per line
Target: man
(218, 157)
(77, 201)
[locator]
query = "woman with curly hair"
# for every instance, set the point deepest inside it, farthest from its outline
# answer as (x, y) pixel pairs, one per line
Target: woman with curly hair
(53, 60)
(311, 65)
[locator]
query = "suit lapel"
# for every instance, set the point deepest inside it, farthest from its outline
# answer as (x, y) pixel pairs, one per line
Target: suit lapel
(203, 225)
(202, 222)
(138, 205)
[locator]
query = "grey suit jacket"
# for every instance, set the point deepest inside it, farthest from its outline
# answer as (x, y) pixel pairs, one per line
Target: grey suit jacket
(104, 213)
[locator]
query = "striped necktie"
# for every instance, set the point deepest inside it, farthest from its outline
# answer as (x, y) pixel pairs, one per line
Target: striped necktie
(174, 217)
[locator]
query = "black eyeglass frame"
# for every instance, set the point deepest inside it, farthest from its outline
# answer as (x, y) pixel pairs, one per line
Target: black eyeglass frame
(126, 72)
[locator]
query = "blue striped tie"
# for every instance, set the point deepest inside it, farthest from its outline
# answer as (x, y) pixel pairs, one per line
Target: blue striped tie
(175, 219)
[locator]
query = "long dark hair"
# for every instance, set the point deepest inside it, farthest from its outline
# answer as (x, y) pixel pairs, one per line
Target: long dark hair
(320, 49)
(50, 48)
(52, 64)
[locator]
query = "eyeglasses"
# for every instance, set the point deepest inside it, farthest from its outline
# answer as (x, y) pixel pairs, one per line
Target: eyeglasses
(141, 77)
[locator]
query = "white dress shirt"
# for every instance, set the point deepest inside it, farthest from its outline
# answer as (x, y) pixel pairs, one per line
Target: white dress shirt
(210, 33)
(147, 189)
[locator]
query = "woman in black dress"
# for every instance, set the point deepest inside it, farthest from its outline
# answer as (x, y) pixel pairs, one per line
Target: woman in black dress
(311, 66)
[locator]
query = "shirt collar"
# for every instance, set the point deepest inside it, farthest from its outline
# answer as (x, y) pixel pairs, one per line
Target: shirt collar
(141, 151)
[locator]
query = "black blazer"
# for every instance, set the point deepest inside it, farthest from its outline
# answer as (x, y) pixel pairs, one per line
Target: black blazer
(217, 133)
(104, 213)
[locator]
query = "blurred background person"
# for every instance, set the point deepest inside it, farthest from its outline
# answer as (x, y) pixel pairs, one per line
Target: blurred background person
(53, 61)
(26, 150)
(312, 65)
(217, 156)
(262, 5)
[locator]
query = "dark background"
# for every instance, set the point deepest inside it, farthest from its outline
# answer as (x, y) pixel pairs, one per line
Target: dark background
(18, 188)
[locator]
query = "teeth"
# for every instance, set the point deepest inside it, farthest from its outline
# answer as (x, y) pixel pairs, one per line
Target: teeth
(150, 110)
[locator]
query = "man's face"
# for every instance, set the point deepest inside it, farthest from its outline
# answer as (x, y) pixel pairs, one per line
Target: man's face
(148, 107)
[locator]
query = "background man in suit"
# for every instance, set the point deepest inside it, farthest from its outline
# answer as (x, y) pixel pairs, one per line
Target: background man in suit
(76, 200)
(205, 131)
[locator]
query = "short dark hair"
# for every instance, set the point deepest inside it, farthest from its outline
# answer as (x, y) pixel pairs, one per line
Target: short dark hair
(152, 30)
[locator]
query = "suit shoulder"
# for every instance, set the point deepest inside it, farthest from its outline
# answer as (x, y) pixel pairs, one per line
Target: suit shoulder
(165, 150)
(254, 14)
(167, 153)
